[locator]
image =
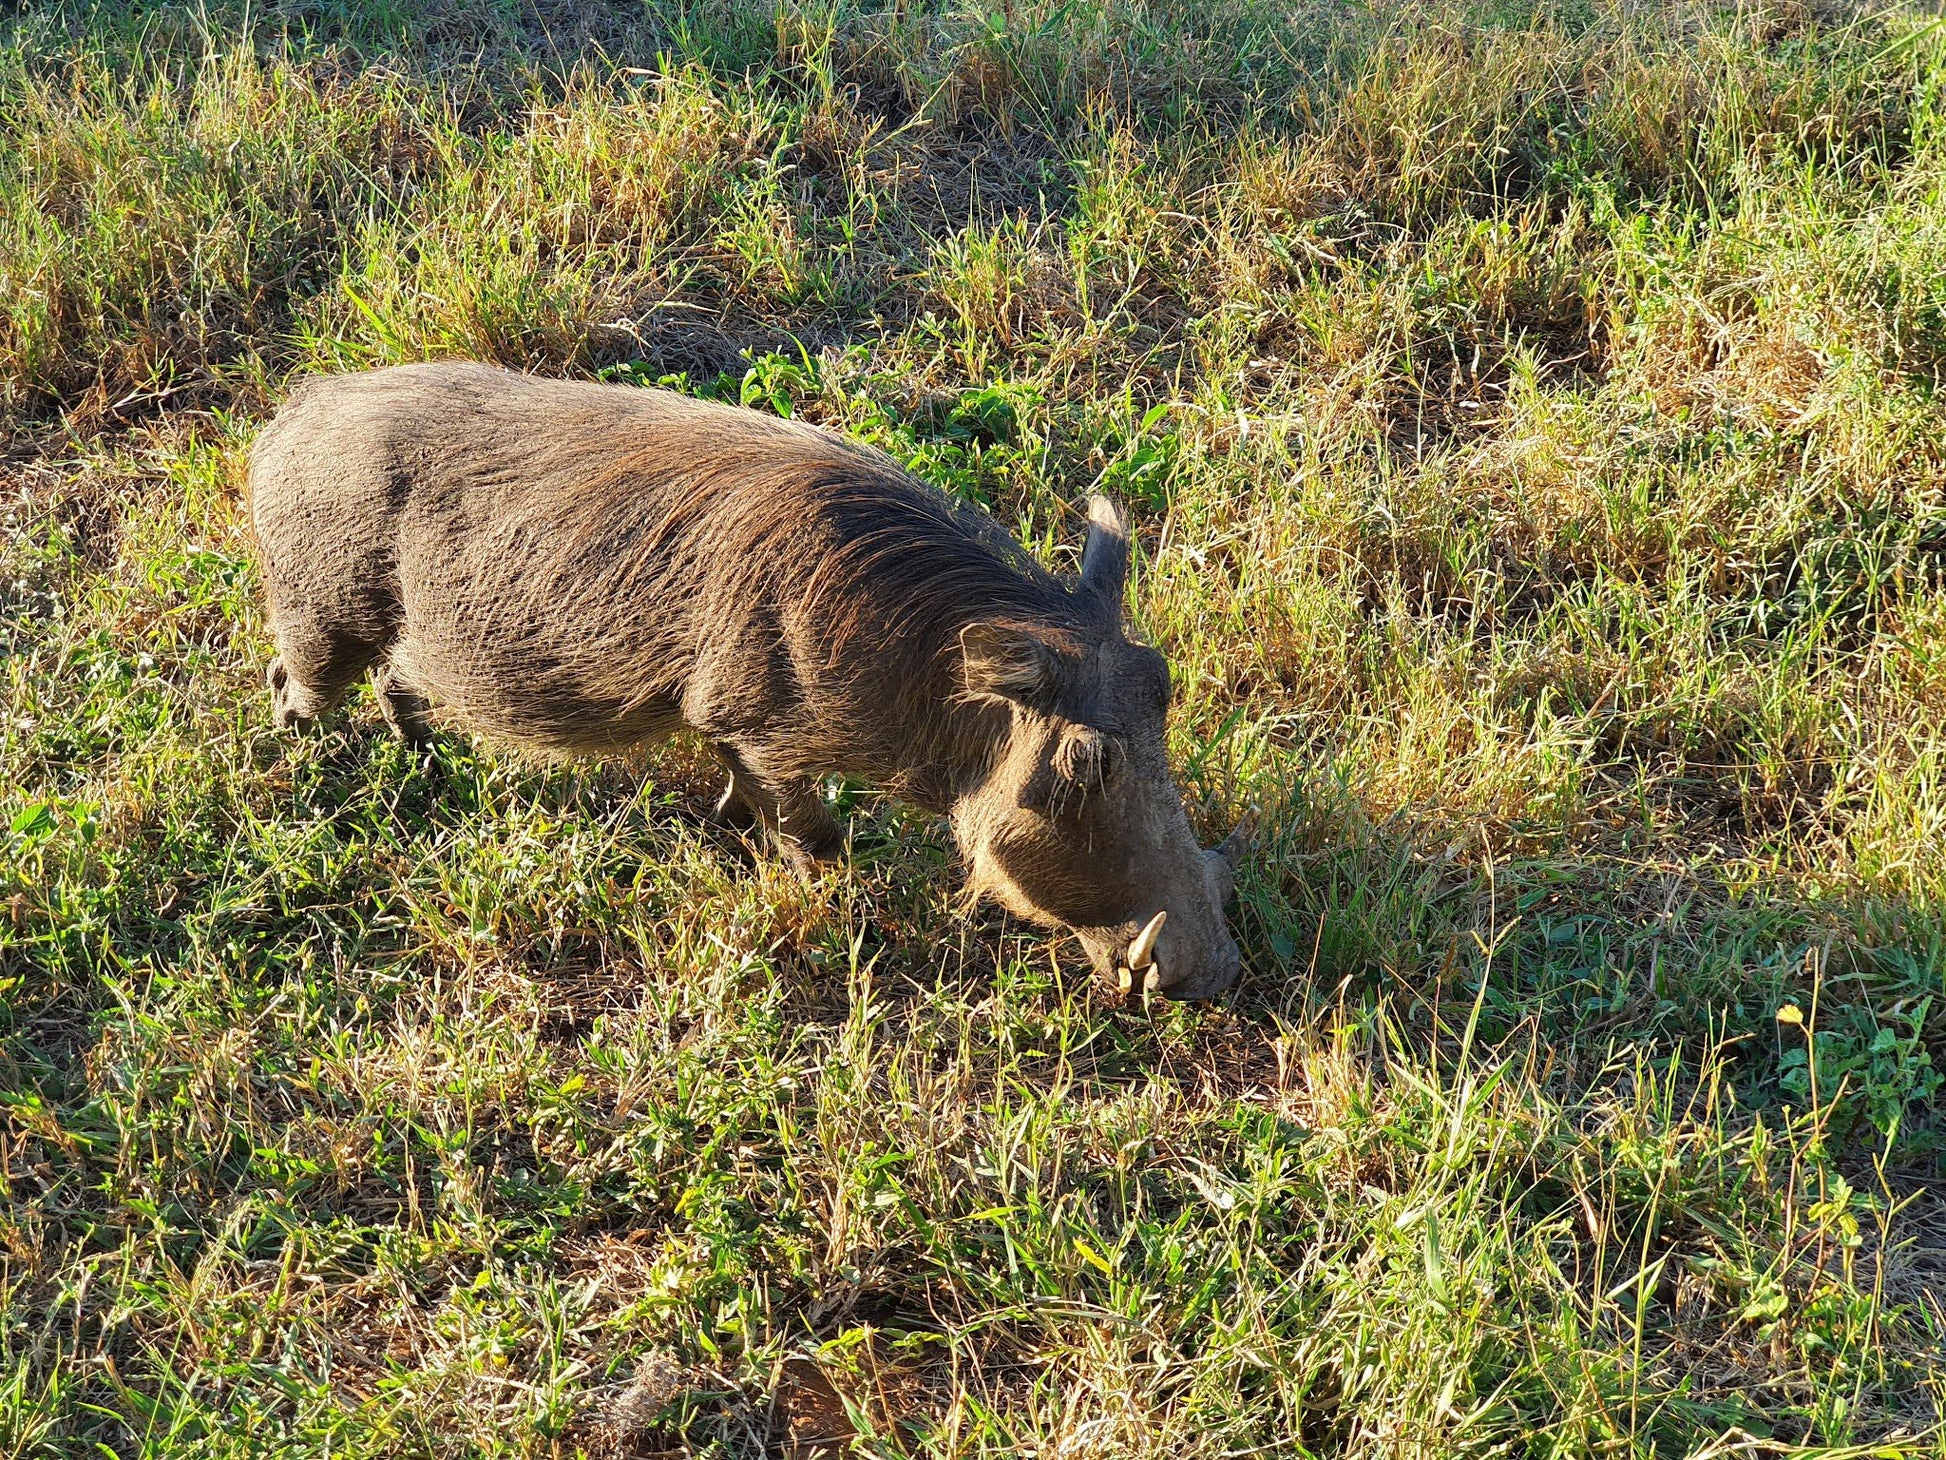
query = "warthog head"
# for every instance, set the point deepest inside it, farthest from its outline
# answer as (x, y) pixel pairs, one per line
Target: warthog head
(1079, 823)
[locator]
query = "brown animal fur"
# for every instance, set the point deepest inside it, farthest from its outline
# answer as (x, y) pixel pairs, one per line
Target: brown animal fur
(580, 568)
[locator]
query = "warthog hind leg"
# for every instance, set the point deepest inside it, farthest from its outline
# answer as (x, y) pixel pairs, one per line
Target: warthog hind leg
(293, 706)
(316, 663)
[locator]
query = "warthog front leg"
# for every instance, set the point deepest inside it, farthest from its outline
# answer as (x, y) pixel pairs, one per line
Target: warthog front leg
(293, 706)
(316, 664)
(789, 808)
(733, 807)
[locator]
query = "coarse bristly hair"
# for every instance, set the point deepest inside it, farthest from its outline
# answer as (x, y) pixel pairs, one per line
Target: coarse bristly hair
(579, 568)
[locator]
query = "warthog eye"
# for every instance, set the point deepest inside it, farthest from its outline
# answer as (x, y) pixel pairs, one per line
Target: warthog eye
(1088, 759)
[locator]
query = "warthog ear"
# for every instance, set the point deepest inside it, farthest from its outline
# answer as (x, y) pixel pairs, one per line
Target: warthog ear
(1001, 661)
(1104, 561)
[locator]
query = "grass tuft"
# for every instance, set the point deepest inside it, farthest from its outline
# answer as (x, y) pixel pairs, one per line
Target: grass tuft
(1530, 418)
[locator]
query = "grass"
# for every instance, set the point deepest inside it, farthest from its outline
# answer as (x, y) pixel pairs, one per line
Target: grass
(1531, 418)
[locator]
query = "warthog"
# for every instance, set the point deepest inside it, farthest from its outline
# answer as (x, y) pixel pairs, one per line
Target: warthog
(580, 568)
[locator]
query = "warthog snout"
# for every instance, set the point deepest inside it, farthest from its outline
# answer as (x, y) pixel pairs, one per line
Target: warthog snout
(1198, 966)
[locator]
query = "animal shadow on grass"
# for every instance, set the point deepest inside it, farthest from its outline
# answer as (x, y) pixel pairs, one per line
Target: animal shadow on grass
(654, 792)
(1590, 949)
(1587, 945)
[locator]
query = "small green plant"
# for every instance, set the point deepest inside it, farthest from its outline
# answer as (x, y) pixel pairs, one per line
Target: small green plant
(1141, 470)
(1867, 1066)
(779, 382)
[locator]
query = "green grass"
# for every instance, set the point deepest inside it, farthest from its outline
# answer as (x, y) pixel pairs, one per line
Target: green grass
(1530, 416)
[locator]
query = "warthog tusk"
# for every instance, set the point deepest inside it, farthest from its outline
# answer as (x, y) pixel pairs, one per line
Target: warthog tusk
(1141, 953)
(1141, 958)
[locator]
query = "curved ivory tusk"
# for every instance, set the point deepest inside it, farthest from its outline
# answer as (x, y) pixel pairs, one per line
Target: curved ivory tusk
(1141, 953)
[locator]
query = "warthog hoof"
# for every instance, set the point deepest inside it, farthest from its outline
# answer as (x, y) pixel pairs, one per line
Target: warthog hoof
(807, 859)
